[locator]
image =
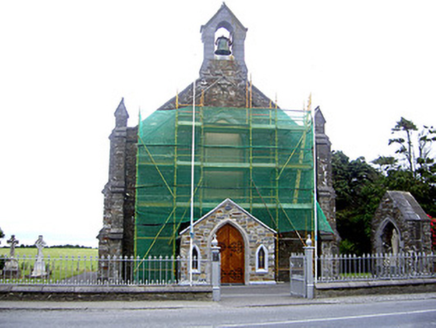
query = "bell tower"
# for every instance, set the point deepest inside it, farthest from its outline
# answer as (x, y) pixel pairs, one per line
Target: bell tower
(223, 78)
(223, 38)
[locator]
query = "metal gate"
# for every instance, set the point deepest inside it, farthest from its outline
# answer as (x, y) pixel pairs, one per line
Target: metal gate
(298, 275)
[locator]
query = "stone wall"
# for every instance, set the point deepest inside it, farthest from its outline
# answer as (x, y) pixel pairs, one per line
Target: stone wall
(326, 196)
(129, 200)
(325, 192)
(387, 287)
(104, 293)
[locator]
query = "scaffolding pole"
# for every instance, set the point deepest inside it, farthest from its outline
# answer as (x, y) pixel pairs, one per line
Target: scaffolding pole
(315, 208)
(176, 132)
(191, 227)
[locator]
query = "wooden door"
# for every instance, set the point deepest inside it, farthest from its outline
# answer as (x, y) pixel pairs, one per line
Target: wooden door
(232, 255)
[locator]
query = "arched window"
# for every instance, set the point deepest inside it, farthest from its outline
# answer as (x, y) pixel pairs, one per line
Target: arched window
(261, 259)
(195, 259)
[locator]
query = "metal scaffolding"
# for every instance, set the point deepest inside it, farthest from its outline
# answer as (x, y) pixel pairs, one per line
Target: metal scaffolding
(261, 158)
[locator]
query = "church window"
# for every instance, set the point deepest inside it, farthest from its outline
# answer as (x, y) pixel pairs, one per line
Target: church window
(223, 147)
(262, 259)
(195, 259)
(418, 229)
(223, 182)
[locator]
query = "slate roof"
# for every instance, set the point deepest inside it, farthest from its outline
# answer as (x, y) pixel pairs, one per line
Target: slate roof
(408, 206)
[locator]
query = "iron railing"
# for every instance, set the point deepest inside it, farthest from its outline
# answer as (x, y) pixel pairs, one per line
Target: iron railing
(376, 267)
(70, 270)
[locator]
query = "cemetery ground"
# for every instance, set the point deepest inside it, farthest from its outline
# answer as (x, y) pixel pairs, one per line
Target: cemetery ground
(64, 262)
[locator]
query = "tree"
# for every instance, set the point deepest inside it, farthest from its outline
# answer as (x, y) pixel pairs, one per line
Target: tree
(426, 167)
(1, 233)
(407, 127)
(385, 163)
(419, 176)
(420, 164)
(359, 189)
(424, 192)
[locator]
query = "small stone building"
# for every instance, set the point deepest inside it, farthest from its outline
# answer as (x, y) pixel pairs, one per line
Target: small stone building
(247, 244)
(400, 225)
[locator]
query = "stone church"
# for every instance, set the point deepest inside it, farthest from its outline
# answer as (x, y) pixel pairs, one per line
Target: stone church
(253, 165)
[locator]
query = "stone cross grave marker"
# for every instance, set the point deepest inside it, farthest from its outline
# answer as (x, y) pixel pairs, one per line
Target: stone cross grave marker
(39, 267)
(40, 244)
(13, 242)
(11, 269)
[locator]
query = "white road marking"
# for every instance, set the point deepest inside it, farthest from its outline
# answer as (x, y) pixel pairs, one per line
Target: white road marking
(365, 316)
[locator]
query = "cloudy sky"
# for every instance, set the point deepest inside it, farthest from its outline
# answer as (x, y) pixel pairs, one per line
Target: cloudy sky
(65, 65)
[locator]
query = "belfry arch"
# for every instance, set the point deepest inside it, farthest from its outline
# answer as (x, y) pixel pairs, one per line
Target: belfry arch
(224, 19)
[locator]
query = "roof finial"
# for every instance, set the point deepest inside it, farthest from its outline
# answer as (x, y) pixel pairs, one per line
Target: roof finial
(121, 114)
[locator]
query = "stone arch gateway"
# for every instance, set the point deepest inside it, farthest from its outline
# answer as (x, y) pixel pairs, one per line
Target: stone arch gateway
(400, 225)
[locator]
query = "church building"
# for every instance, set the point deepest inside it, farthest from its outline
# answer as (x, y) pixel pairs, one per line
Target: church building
(261, 174)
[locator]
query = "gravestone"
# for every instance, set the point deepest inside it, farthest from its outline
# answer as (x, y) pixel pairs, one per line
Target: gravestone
(39, 270)
(11, 269)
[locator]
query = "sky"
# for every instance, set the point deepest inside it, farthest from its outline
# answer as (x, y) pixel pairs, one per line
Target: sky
(65, 65)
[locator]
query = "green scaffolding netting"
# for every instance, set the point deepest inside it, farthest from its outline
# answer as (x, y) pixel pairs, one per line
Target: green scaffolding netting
(262, 159)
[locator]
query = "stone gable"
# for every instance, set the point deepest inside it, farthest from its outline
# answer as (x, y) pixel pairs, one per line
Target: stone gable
(255, 234)
(400, 224)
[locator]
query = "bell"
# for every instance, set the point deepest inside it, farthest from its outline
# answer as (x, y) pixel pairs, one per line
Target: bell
(223, 46)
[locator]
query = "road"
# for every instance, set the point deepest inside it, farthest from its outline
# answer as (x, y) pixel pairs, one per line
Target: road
(346, 312)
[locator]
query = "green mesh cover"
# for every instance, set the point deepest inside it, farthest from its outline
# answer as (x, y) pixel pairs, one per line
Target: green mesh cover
(262, 159)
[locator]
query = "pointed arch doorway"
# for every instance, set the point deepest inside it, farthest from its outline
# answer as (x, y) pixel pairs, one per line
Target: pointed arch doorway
(232, 255)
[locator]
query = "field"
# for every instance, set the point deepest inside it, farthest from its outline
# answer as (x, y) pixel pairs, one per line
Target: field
(52, 252)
